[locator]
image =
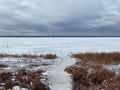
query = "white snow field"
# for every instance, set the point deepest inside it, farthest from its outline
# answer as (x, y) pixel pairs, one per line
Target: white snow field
(63, 47)
(60, 46)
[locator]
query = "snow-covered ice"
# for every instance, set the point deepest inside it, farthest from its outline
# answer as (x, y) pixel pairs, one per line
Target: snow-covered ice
(18, 88)
(58, 79)
(63, 47)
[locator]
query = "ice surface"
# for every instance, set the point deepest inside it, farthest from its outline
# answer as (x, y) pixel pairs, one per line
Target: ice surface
(63, 47)
(58, 78)
(18, 88)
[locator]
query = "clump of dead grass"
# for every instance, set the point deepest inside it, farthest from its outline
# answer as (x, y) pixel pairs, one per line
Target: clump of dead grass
(34, 65)
(99, 74)
(49, 56)
(112, 84)
(37, 85)
(89, 74)
(5, 76)
(99, 78)
(101, 58)
(9, 84)
(24, 79)
(3, 66)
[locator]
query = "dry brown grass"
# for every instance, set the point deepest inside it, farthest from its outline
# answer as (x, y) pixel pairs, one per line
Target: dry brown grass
(99, 78)
(89, 74)
(101, 58)
(99, 74)
(37, 85)
(113, 84)
(29, 56)
(24, 79)
(79, 76)
(4, 55)
(3, 66)
(5, 76)
(9, 84)
(49, 56)
(34, 65)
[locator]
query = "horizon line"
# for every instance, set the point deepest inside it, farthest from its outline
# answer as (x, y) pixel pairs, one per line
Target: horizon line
(53, 36)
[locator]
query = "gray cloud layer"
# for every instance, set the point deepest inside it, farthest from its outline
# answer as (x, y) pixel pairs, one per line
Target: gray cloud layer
(59, 17)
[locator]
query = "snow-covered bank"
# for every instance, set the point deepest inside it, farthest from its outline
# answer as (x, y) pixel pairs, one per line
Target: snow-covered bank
(58, 79)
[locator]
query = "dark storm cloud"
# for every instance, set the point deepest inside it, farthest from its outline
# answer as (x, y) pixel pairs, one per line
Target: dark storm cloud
(59, 17)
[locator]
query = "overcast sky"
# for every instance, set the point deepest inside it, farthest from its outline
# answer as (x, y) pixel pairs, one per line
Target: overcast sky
(59, 17)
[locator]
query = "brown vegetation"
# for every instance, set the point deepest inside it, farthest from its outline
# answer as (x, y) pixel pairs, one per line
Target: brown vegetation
(89, 74)
(29, 56)
(3, 66)
(18, 56)
(113, 84)
(30, 79)
(49, 56)
(5, 76)
(100, 78)
(101, 58)
(37, 85)
(24, 79)
(35, 65)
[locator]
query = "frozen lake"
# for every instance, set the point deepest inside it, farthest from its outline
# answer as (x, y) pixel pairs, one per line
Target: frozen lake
(59, 46)
(57, 78)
